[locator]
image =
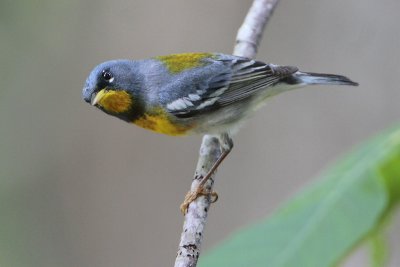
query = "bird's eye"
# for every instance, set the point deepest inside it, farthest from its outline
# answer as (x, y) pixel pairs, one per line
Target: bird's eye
(107, 76)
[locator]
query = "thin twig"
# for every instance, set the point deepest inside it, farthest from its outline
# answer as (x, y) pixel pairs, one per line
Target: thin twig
(247, 41)
(196, 216)
(250, 33)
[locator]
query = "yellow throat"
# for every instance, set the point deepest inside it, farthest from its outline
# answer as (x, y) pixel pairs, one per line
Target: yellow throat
(113, 101)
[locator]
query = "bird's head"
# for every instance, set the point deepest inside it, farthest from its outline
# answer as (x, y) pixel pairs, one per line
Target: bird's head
(112, 86)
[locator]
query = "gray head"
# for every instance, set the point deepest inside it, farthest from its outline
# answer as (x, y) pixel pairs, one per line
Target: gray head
(113, 75)
(114, 87)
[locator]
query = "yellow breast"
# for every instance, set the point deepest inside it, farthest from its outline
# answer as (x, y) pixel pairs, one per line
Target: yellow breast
(158, 121)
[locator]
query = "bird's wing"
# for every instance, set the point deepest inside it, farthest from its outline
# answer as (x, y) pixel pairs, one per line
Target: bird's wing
(242, 79)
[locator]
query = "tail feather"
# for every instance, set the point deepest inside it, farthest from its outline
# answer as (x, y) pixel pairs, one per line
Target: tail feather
(310, 78)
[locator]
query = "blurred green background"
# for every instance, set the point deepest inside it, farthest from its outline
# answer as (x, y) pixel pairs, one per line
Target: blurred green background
(80, 188)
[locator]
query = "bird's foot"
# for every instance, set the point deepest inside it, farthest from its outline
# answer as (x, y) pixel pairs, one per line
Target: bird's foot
(193, 195)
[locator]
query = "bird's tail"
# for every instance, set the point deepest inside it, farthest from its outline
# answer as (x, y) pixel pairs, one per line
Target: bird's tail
(310, 78)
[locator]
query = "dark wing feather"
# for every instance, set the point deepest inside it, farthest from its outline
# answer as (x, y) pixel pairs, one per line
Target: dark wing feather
(251, 76)
(245, 79)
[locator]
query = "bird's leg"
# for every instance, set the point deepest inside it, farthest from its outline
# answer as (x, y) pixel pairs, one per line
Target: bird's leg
(226, 145)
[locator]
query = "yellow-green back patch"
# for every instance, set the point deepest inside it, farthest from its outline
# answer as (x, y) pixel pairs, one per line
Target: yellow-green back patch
(176, 63)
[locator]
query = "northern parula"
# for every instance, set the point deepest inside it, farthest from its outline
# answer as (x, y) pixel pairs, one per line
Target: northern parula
(180, 94)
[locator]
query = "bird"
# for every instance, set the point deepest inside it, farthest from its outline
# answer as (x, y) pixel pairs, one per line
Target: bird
(193, 93)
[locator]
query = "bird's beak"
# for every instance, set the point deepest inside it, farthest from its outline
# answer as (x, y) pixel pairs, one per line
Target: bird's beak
(95, 98)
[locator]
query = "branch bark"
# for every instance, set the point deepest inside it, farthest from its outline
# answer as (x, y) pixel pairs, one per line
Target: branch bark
(250, 33)
(247, 41)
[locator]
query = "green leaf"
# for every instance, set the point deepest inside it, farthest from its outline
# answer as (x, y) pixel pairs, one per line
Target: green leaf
(323, 224)
(378, 246)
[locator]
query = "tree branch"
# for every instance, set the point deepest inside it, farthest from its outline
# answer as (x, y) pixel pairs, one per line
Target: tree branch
(196, 216)
(250, 33)
(247, 41)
